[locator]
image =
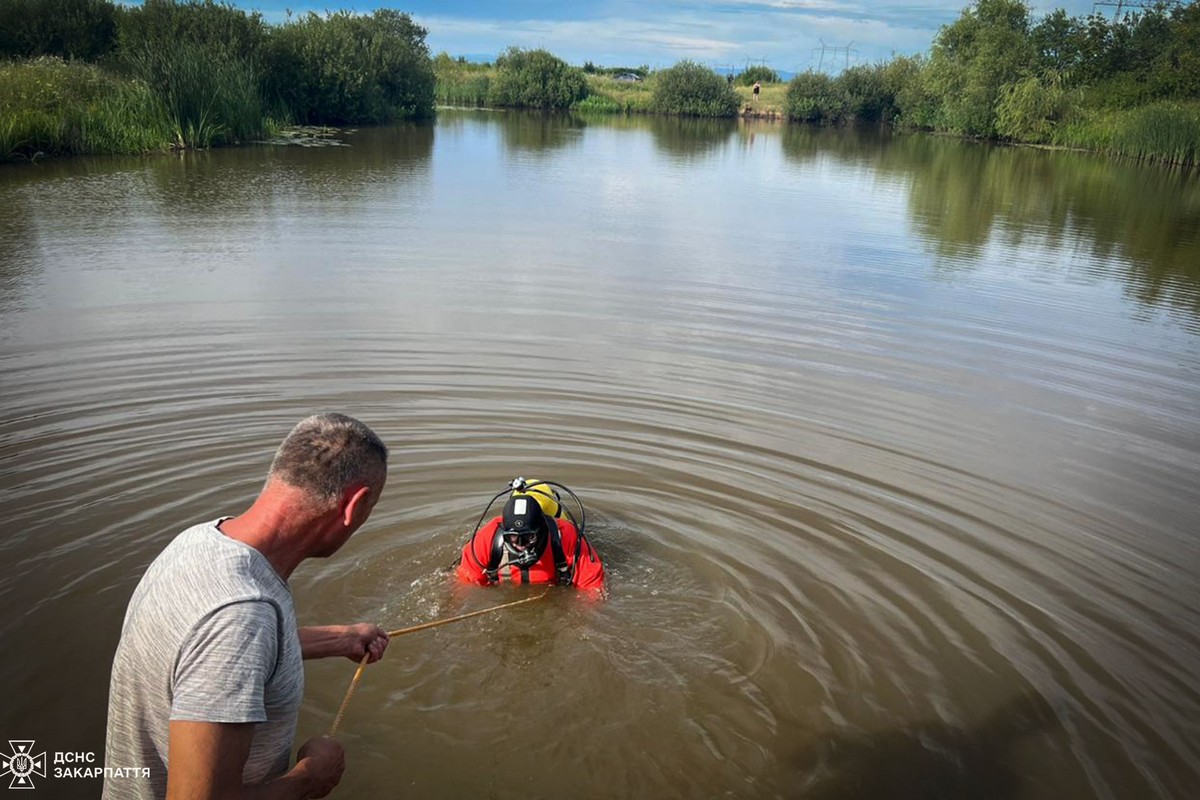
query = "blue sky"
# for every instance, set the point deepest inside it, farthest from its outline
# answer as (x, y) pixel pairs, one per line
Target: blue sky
(786, 33)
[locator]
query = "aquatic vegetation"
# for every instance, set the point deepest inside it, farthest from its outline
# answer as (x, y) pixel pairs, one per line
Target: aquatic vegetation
(210, 97)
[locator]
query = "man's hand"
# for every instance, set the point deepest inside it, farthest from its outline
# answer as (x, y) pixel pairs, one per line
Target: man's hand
(366, 638)
(321, 760)
(351, 641)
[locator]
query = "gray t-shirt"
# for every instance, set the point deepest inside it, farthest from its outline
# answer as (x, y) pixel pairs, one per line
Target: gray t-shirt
(210, 635)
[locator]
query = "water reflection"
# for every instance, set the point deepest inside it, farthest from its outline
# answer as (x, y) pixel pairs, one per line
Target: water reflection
(927, 761)
(1137, 224)
(539, 133)
(851, 505)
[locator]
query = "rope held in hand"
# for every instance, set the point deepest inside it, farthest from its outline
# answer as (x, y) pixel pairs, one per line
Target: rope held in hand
(358, 673)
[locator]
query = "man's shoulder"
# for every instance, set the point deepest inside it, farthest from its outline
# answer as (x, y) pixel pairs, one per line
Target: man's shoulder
(202, 560)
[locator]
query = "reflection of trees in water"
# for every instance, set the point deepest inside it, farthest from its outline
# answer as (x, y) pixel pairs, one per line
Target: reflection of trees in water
(690, 137)
(1141, 224)
(684, 138)
(925, 761)
(210, 182)
(539, 132)
(17, 240)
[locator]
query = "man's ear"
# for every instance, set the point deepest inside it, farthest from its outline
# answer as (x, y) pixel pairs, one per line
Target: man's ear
(357, 506)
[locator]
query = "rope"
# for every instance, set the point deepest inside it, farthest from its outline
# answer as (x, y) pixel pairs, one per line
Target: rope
(358, 673)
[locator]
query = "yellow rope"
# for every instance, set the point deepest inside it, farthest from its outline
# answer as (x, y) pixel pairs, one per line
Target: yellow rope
(358, 673)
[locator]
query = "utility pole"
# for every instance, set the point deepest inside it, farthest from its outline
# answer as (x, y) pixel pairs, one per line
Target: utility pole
(1125, 5)
(833, 53)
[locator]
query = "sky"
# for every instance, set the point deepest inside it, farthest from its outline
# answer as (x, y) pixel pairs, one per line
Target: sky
(786, 35)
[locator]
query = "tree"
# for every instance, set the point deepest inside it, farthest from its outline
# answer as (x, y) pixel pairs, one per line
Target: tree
(987, 47)
(693, 89)
(535, 79)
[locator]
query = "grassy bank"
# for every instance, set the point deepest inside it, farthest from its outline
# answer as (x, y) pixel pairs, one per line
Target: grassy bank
(1165, 131)
(1127, 86)
(52, 107)
(88, 76)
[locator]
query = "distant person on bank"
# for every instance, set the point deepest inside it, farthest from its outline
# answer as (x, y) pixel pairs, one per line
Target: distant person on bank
(207, 680)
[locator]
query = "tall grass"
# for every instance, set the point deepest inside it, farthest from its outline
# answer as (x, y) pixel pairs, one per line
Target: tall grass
(52, 107)
(210, 97)
(1166, 131)
(459, 83)
(606, 94)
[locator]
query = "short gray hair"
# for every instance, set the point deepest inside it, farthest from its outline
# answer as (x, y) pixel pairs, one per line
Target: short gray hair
(326, 454)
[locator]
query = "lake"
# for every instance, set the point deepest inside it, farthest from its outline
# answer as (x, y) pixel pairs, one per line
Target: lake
(891, 447)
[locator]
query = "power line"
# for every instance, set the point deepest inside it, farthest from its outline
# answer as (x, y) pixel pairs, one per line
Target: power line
(833, 52)
(1125, 5)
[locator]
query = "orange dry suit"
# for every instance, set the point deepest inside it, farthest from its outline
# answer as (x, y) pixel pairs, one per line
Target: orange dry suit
(566, 559)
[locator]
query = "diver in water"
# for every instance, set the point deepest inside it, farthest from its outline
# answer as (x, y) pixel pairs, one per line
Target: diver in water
(535, 540)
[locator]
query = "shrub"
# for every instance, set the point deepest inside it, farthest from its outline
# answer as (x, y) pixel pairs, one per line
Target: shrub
(344, 68)
(84, 29)
(812, 97)
(691, 89)
(759, 73)
(868, 97)
(158, 25)
(1030, 109)
(535, 79)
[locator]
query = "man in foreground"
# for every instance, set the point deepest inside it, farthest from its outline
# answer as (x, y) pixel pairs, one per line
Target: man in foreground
(207, 680)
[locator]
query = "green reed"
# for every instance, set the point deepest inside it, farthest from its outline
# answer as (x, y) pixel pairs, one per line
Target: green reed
(1166, 132)
(49, 106)
(606, 94)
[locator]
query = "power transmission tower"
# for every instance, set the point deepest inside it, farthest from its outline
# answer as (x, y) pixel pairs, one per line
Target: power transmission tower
(833, 53)
(1124, 5)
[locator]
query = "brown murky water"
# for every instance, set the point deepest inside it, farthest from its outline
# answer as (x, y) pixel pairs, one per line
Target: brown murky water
(891, 446)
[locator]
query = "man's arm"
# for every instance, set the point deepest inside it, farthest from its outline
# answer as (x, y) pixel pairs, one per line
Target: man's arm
(350, 641)
(207, 759)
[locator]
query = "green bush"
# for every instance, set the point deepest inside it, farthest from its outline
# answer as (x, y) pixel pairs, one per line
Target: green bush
(535, 79)
(345, 68)
(1030, 109)
(867, 93)
(84, 29)
(691, 89)
(52, 107)
(158, 25)
(760, 74)
(812, 97)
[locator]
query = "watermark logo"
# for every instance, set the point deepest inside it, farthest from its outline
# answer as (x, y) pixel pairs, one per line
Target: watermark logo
(22, 764)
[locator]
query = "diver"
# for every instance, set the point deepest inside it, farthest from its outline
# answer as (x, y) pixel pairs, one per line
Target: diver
(535, 540)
